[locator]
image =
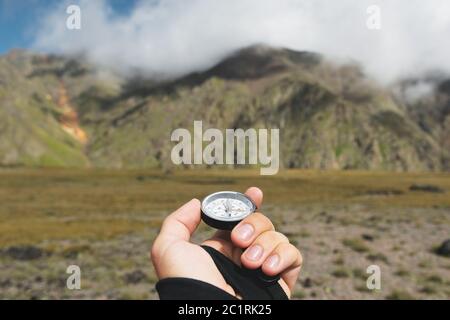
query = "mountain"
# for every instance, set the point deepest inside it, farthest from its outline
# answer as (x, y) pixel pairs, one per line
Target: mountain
(430, 111)
(60, 111)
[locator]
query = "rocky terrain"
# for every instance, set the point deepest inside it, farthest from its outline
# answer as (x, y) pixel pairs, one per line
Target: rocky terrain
(343, 222)
(58, 111)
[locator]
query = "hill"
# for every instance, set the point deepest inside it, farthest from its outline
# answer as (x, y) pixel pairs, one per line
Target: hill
(59, 111)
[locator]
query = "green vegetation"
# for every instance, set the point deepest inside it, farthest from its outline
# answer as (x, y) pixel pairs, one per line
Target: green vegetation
(355, 244)
(402, 273)
(400, 295)
(359, 273)
(428, 289)
(377, 257)
(325, 124)
(434, 278)
(341, 273)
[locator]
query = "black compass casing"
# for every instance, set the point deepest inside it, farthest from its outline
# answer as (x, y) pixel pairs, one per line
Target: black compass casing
(218, 224)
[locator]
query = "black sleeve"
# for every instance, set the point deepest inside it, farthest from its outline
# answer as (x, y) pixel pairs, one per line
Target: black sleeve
(240, 279)
(190, 289)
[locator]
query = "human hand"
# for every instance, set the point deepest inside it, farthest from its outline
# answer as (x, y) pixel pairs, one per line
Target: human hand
(253, 243)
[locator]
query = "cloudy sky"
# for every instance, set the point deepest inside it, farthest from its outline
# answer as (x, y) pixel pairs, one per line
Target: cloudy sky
(20, 20)
(174, 37)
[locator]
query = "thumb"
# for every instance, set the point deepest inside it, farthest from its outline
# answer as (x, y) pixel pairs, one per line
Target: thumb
(179, 226)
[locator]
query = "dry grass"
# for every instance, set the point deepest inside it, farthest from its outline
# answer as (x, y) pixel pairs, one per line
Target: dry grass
(60, 204)
(105, 221)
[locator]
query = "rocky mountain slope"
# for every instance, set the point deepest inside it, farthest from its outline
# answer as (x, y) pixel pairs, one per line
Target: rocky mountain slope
(57, 111)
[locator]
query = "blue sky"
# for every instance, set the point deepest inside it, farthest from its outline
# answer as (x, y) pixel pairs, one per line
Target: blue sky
(19, 19)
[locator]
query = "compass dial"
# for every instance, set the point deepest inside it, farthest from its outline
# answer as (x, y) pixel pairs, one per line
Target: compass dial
(225, 209)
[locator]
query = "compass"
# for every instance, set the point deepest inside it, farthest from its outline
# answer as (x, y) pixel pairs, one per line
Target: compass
(224, 210)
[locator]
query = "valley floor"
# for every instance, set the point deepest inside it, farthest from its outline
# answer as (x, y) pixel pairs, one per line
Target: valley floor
(105, 221)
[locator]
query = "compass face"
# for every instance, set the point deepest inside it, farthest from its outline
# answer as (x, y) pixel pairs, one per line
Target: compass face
(227, 206)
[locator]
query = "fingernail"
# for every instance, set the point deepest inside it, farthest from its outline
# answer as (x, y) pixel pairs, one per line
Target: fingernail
(245, 232)
(273, 261)
(254, 253)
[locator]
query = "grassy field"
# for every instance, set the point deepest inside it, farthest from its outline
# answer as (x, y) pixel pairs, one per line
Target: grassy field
(104, 221)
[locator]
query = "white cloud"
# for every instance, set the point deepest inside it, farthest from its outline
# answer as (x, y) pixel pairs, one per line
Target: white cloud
(174, 37)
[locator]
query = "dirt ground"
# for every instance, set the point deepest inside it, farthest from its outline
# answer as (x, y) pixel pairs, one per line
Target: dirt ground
(105, 222)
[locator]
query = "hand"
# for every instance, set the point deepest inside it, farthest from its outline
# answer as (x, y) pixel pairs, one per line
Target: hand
(173, 255)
